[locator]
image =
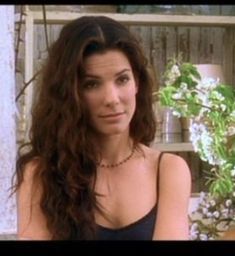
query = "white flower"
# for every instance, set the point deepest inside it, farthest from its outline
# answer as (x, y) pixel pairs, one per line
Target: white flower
(218, 96)
(173, 75)
(202, 142)
(193, 235)
(216, 214)
(203, 237)
(233, 172)
(209, 215)
(223, 107)
(183, 87)
(207, 84)
(194, 226)
(175, 72)
(231, 131)
(205, 211)
(177, 96)
(212, 202)
(224, 213)
(228, 202)
(202, 197)
(232, 114)
(196, 131)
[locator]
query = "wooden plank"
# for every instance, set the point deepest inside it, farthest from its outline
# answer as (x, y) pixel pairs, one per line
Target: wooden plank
(194, 44)
(228, 60)
(56, 17)
(204, 46)
(171, 42)
(143, 34)
(159, 52)
(216, 45)
(152, 64)
(183, 42)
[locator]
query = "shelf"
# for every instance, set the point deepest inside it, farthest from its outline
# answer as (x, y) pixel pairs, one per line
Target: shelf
(57, 17)
(173, 147)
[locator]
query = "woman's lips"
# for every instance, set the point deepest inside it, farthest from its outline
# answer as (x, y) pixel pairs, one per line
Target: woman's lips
(111, 115)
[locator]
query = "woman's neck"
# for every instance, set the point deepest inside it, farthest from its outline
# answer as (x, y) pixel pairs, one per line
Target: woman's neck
(114, 149)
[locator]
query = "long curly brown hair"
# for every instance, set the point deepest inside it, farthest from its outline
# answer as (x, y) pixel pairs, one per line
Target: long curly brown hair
(59, 134)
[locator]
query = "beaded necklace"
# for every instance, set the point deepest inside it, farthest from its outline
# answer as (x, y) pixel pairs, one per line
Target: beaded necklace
(119, 163)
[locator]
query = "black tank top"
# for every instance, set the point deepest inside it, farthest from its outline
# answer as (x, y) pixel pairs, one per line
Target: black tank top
(141, 229)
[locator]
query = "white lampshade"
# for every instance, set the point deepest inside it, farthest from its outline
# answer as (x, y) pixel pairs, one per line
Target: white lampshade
(210, 71)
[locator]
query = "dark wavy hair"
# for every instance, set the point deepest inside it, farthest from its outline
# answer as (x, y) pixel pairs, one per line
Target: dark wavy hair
(60, 135)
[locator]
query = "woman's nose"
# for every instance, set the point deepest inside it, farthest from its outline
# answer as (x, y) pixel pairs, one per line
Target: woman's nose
(111, 95)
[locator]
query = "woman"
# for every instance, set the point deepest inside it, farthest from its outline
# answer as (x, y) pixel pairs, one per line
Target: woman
(89, 172)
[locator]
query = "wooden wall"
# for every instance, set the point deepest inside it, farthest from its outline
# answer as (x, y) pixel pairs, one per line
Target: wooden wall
(215, 45)
(199, 45)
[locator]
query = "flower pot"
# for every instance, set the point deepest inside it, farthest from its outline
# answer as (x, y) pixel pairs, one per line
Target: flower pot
(185, 124)
(171, 127)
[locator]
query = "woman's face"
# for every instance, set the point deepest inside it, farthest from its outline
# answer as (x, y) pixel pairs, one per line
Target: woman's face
(109, 92)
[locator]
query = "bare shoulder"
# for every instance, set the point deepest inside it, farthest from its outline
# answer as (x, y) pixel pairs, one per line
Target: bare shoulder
(31, 221)
(29, 184)
(172, 161)
(175, 172)
(174, 195)
(169, 162)
(173, 168)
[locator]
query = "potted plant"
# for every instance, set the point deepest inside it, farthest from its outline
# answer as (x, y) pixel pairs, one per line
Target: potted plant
(210, 105)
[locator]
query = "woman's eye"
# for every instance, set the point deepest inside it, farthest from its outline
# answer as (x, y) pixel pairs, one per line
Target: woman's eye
(123, 79)
(90, 84)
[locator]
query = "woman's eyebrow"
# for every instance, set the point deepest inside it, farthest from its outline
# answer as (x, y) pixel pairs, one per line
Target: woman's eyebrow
(117, 74)
(123, 71)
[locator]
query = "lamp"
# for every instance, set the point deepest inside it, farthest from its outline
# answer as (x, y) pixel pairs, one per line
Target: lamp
(210, 71)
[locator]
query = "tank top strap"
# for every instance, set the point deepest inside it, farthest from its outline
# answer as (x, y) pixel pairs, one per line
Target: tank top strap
(158, 175)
